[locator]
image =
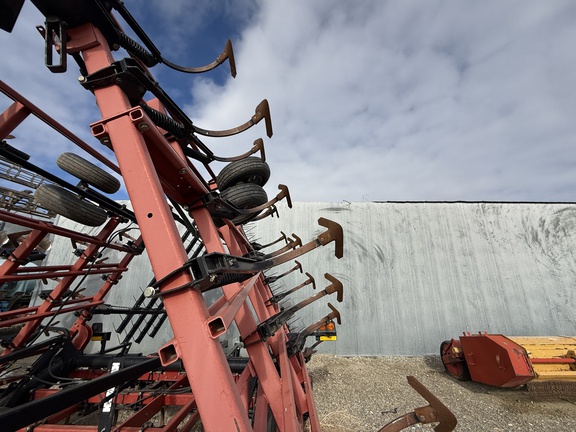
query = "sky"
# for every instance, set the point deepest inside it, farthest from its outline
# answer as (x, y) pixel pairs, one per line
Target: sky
(403, 100)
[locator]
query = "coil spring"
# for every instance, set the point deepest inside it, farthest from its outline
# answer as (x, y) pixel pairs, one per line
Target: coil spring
(136, 50)
(163, 121)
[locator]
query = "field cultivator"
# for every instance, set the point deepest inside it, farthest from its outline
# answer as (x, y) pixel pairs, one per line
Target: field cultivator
(208, 277)
(547, 364)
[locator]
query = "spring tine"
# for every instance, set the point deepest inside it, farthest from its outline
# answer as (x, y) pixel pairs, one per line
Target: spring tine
(292, 244)
(298, 266)
(278, 297)
(271, 211)
(227, 53)
(284, 193)
(334, 314)
(313, 327)
(334, 287)
(332, 234)
(258, 146)
(262, 111)
(282, 237)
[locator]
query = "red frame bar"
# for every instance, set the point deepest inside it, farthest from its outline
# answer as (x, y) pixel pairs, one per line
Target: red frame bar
(210, 378)
(153, 167)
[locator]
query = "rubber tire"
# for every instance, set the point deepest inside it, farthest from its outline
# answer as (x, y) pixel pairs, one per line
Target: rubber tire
(460, 370)
(249, 170)
(88, 172)
(245, 195)
(69, 205)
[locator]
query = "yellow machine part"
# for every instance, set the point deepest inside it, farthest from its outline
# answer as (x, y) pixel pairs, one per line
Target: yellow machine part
(550, 347)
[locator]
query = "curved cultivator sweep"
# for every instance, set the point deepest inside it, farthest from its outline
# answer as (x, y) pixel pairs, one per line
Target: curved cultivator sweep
(190, 226)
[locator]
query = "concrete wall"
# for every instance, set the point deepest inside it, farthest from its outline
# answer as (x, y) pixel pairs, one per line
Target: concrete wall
(415, 274)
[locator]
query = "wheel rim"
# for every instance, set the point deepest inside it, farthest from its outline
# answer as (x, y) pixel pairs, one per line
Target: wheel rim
(458, 369)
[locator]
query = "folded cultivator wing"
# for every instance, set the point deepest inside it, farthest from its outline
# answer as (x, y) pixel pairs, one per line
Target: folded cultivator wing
(191, 228)
(208, 285)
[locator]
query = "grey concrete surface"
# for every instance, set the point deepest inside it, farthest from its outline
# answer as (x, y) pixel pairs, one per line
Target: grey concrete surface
(414, 274)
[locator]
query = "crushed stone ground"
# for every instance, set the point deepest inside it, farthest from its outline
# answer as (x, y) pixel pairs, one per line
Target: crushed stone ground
(365, 393)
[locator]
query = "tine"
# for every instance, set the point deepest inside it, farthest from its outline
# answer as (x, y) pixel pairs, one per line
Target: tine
(335, 286)
(262, 112)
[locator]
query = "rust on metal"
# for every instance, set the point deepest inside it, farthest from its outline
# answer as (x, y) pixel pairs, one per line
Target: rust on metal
(434, 412)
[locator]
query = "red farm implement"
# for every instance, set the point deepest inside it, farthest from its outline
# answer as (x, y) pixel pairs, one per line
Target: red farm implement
(546, 363)
(189, 225)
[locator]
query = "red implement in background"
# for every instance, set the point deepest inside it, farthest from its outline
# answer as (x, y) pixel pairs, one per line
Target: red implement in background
(509, 361)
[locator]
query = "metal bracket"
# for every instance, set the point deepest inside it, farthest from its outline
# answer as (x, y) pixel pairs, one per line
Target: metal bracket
(54, 39)
(123, 73)
(216, 269)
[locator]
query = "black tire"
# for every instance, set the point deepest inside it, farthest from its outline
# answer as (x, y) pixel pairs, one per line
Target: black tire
(88, 172)
(69, 205)
(249, 170)
(245, 195)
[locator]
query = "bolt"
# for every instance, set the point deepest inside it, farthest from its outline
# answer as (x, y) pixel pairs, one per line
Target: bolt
(149, 292)
(422, 418)
(105, 141)
(82, 79)
(183, 171)
(143, 127)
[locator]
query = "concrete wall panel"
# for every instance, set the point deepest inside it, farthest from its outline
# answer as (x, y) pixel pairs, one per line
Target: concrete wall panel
(415, 274)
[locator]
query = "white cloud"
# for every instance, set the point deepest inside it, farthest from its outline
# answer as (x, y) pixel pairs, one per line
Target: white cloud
(409, 100)
(376, 100)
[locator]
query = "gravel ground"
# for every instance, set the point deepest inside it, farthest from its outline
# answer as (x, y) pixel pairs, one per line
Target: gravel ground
(365, 393)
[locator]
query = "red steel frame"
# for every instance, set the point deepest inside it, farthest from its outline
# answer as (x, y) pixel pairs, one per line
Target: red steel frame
(152, 168)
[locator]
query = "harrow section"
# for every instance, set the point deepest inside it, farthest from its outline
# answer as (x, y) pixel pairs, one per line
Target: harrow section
(190, 227)
(58, 371)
